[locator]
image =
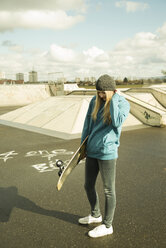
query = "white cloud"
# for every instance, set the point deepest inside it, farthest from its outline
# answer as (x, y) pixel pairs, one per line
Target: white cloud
(93, 52)
(142, 40)
(142, 55)
(162, 31)
(15, 5)
(132, 6)
(37, 19)
(94, 60)
(62, 54)
(16, 48)
(51, 14)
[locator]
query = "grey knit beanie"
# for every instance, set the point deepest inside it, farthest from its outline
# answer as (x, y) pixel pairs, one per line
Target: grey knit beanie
(105, 83)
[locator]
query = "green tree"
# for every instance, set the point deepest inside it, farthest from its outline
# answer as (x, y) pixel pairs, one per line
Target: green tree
(163, 72)
(125, 80)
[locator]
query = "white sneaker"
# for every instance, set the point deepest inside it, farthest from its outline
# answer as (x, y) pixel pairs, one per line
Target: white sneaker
(100, 231)
(89, 220)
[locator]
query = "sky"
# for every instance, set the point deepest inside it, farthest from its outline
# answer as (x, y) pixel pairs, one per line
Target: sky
(83, 38)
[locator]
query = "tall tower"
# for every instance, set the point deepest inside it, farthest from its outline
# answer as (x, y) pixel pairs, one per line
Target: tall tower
(33, 77)
(20, 76)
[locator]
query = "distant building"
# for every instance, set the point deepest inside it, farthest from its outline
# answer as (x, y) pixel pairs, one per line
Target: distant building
(77, 80)
(61, 80)
(2, 81)
(92, 79)
(86, 79)
(2, 75)
(33, 77)
(20, 76)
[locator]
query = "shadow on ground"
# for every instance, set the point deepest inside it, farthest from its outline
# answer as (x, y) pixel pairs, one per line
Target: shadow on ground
(9, 199)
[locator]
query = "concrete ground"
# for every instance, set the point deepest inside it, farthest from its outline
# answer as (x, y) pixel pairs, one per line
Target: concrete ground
(33, 214)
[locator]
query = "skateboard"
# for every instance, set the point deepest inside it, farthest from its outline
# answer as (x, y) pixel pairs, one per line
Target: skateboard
(74, 161)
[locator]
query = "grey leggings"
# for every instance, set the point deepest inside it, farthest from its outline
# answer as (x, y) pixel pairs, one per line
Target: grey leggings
(107, 169)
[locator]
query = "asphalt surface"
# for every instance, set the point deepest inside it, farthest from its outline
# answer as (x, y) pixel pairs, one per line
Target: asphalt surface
(34, 214)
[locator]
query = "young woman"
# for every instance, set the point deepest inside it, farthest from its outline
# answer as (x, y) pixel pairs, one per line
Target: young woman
(106, 114)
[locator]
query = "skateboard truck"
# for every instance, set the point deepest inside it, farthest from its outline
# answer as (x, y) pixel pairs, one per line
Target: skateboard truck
(64, 171)
(59, 163)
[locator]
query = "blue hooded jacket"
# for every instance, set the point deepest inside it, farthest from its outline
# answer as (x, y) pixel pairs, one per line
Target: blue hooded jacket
(103, 140)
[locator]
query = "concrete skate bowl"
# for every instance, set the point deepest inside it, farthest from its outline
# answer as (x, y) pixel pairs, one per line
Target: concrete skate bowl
(19, 95)
(63, 116)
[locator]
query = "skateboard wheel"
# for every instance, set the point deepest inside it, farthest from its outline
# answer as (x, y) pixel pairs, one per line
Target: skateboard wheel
(59, 173)
(60, 170)
(59, 163)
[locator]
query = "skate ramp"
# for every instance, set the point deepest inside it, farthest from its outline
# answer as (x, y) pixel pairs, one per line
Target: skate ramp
(147, 98)
(61, 117)
(146, 108)
(147, 113)
(152, 95)
(19, 95)
(159, 86)
(71, 87)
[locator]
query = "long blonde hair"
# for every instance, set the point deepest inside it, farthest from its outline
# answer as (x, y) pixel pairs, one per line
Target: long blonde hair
(106, 112)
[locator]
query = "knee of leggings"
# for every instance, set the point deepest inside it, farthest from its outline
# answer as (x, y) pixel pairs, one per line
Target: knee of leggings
(109, 192)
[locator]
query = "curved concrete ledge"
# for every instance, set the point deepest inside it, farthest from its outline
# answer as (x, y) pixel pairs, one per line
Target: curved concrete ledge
(159, 94)
(130, 124)
(49, 132)
(145, 112)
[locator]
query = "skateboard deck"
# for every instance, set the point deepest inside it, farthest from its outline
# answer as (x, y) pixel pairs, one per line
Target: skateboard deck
(76, 158)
